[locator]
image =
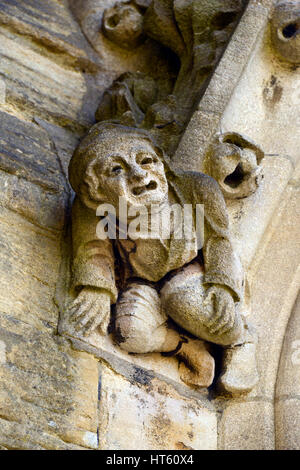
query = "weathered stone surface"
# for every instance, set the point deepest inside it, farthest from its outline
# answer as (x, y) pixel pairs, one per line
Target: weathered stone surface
(197, 138)
(274, 283)
(287, 406)
(148, 58)
(39, 86)
(28, 288)
(288, 381)
(48, 397)
(262, 205)
(247, 426)
(33, 202)
(2, 91)
(27, 152)
(165, 368)
(51, 24)
(152, 416)
(287, 424)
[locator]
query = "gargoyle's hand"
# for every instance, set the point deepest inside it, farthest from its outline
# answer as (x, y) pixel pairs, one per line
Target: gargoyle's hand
(90, 310)
(223, 318)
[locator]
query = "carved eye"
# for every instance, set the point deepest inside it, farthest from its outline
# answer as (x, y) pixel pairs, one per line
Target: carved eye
(148, 160)
(290, 30)
(113, 21)
(116, 170)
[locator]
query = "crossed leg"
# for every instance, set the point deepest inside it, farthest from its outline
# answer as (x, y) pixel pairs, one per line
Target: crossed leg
(142, 327)
(141, 324)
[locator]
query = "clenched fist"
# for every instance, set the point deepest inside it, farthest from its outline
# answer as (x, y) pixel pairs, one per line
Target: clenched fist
(90, 310)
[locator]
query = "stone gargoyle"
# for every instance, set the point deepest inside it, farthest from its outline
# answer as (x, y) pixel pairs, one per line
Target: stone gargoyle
(168, 292)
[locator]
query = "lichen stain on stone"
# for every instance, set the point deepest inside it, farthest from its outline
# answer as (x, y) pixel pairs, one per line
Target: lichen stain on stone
(161, 429)
(142, 376)
(272, 92)
(181, 446)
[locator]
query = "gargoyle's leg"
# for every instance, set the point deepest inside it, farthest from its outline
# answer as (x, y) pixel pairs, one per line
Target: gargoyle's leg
(184, 299)
(142, 327)
(141, 324)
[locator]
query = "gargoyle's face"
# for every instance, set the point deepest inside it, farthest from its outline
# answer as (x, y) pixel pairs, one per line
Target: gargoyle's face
(130, 168)
(123, 25)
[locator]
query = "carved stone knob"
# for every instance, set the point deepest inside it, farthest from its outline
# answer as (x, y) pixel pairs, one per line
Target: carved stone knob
(123, 25)
(285, 28)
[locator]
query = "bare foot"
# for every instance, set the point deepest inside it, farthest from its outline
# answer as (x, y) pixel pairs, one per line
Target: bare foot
(196, 366)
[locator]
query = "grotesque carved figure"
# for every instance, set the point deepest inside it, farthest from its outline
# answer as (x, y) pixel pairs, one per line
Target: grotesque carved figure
(123, 25)
(234, 164)
(157, 283)
(285, 27)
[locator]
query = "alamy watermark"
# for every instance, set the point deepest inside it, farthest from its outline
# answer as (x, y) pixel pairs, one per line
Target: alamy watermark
(155, 222)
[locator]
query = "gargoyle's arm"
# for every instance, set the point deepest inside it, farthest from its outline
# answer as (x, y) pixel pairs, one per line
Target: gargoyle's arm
(93, 260)
(222, 265)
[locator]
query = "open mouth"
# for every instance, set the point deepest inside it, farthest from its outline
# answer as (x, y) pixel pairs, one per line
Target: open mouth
(142, 189)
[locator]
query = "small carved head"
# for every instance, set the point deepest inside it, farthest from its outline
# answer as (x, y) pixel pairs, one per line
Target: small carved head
(123, 25)
(115, 161)
(235, 166)
(285, 28)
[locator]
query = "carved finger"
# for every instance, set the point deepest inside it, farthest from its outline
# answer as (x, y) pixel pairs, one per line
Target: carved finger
(81, 314)
(80, 322)
(80, 311)
(75, 304)
(227, 326)
(71, 308)
(92, 312)
(73, 311)
(104, 324)
(221, 320)
(232, 318)
(78, 301)
(215, 318)
(84, 320)
(227, 320)
(219, 314)
(224, 323)
(92, 325)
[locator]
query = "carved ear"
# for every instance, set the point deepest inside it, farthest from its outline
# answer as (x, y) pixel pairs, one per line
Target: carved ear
(92, 181)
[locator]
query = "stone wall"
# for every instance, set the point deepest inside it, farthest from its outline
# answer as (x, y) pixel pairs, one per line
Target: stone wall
(60, 393)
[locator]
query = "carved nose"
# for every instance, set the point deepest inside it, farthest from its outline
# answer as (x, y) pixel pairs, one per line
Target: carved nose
(138, 173)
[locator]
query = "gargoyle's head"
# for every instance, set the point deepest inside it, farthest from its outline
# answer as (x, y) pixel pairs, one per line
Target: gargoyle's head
(235, 165)
(115, 161)
(285, 30)
(123, 25)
